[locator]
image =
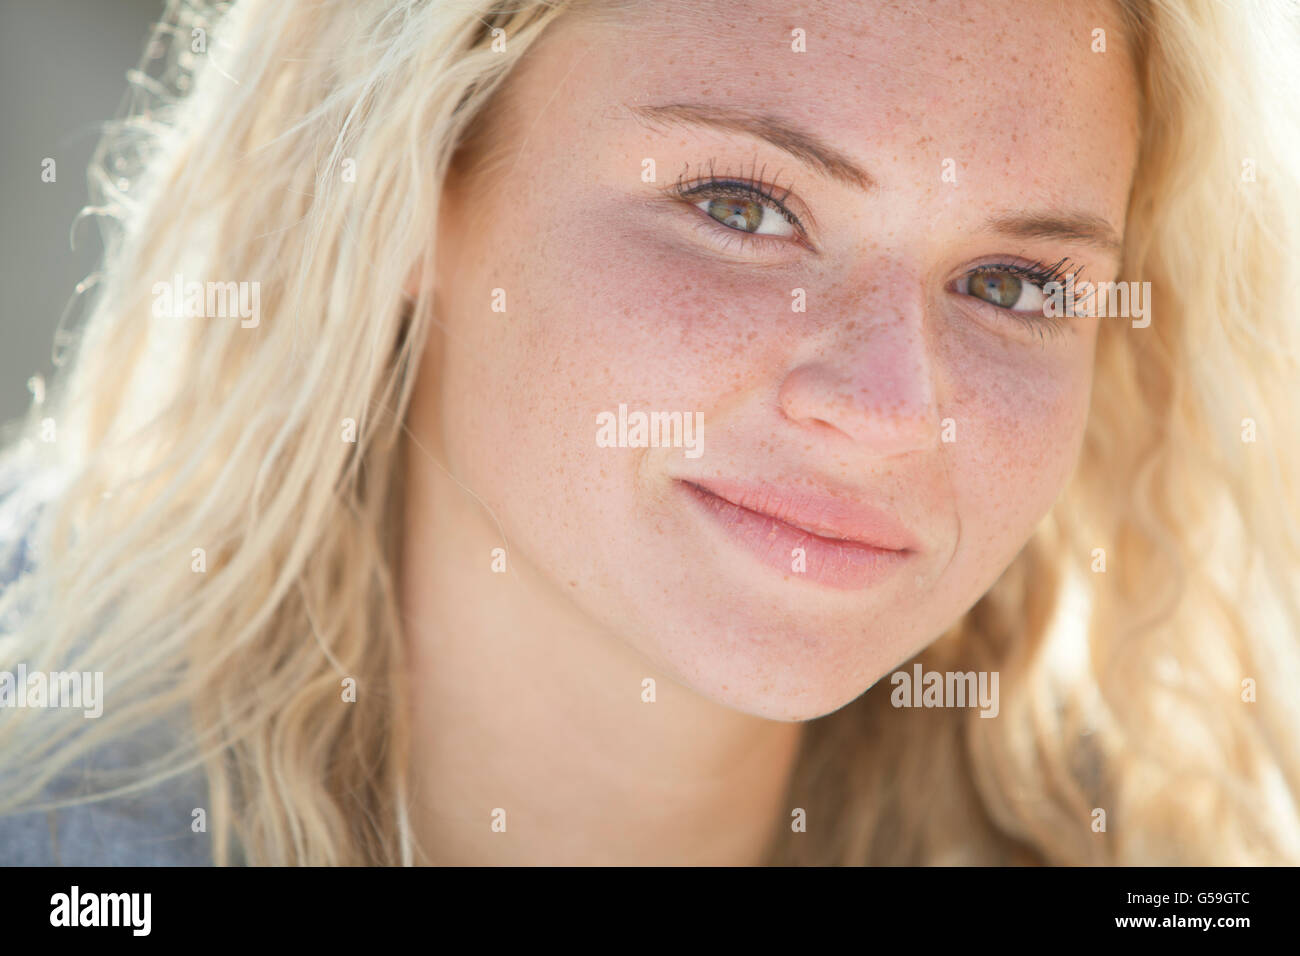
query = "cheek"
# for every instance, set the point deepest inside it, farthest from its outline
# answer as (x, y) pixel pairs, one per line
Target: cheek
(615, 320)
(1023, 412)
(657, 321)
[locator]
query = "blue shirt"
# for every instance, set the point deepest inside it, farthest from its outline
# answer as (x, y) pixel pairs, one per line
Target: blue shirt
(152, 828)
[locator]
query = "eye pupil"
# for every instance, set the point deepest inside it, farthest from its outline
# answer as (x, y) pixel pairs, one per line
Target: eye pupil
(737, 213)
(1000, 288)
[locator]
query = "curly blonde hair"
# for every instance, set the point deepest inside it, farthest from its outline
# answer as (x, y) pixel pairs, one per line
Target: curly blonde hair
(1159, 691)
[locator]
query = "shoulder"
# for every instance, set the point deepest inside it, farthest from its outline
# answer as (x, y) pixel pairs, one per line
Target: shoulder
(21, 502)
(150, 829)
(26, 491)
(164, 824)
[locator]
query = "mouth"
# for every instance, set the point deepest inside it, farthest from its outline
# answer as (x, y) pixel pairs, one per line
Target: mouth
(824, 540)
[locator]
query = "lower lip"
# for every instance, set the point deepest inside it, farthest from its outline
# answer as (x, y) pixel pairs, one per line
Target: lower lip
(844, 565)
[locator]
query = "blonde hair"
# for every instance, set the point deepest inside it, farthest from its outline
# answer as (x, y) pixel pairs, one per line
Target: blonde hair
(177, 436)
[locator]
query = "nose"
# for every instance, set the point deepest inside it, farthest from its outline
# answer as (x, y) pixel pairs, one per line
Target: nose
(873, 382)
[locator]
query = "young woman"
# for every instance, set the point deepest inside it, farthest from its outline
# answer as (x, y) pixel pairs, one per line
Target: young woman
(676, 433)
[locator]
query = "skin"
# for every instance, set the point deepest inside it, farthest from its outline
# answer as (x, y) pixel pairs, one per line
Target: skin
(528, 684)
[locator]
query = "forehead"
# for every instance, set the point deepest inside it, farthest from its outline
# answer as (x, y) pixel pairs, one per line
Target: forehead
(1011, 91)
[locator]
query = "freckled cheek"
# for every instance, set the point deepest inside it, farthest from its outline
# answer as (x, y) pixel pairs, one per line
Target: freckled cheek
(615, 320)
(1025, 424)
(634, 320)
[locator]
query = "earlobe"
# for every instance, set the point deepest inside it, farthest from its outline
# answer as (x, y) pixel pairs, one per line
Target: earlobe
(423, 276)
(411, 287)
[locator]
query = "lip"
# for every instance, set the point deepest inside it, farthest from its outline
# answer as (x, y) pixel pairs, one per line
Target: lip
(847, 545)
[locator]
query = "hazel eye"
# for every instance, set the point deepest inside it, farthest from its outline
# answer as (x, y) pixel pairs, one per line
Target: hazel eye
(747, 215)
(1005, 290)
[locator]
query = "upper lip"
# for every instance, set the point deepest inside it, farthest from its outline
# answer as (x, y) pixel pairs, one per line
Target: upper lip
(825, 515)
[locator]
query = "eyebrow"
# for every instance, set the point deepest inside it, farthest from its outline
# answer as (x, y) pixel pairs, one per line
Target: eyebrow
(1063, 227)
(812, 151)
(787, 137)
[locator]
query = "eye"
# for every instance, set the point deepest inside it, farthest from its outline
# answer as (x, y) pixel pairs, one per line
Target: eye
(758, 217)
(1005, 290)
(747, 210)
(1019, 287)
(1020, 292)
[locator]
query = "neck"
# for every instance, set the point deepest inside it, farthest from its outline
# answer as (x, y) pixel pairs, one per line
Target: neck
(531, 742)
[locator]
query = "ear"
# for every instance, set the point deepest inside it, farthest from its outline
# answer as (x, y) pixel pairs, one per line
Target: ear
(423, 274)
(411, 288)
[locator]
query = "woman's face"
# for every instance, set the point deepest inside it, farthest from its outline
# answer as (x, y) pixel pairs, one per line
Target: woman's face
(829, 256)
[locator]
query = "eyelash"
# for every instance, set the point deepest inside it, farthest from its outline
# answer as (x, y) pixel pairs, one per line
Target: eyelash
(1044, 326)
(755, 187)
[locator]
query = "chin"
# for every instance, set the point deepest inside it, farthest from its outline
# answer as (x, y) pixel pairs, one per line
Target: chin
(788, 674)
(790, 705)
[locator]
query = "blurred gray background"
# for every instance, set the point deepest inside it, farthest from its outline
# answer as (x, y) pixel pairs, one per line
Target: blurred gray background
(63, 70)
